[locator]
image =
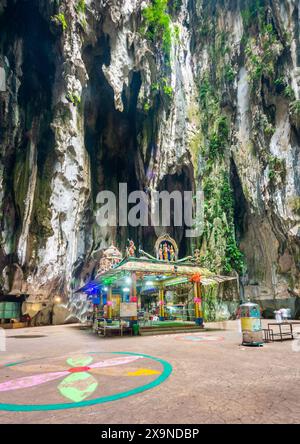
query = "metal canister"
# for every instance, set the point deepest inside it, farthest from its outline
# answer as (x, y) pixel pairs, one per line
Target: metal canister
(251, 324)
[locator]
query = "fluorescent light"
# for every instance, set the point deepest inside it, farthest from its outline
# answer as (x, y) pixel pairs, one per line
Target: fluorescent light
(128, 280)
(105, 288)
(149, 283)
(126, 289)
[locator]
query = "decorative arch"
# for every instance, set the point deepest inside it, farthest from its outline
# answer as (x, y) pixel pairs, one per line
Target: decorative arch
(165, 239)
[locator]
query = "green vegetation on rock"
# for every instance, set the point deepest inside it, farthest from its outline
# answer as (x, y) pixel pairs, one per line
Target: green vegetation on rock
(220, 251)
(261, 62)
(80, 7)
(262, 45)
(253, 13)
(175, 5)
(289, 92)
(229, 73)
(277, 169)
(41, 225)
(61, 19)
(157, 24)
(73, 98)
(21, 179)
(163, 87)
(295, 108)
(157, 28)
(210, 300)
(214, 124)
(295, 205)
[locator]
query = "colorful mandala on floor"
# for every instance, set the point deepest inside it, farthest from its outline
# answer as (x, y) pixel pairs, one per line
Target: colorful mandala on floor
(77, 378)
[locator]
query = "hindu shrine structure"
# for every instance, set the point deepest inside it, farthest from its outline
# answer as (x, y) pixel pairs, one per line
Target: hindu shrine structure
(162, 286)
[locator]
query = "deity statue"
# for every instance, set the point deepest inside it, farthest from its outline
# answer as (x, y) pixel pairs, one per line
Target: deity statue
(130, 250)
(160, 253)
(197, 257)
(172, 254)
(166, 252)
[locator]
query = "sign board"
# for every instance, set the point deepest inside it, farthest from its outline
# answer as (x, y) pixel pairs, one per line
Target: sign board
(128, 309)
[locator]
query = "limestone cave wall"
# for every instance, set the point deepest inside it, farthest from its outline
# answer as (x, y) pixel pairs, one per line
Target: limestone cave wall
(161, 95)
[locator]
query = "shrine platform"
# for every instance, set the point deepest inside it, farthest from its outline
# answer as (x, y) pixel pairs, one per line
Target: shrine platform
(169, 327)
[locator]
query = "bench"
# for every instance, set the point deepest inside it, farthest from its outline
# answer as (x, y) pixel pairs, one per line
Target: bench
(281, 333)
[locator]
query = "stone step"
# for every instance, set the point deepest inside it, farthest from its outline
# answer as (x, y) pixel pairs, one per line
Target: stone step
(171, 331)
(179, 327)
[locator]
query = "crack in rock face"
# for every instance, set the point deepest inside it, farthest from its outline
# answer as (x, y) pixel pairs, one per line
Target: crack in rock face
(100, 95)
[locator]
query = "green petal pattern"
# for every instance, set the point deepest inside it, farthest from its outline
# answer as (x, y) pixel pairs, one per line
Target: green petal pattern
(79, 361)
(78, 386)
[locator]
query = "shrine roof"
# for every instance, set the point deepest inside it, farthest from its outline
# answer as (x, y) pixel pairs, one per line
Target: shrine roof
(166, 273)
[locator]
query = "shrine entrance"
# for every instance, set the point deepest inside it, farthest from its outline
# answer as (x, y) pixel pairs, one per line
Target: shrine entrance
(178, 304)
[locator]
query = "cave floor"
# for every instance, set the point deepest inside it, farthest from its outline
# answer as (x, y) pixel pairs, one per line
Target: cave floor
(195, 378)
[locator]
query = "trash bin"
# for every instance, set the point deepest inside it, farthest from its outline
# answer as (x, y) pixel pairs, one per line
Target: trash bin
(251, 324)
(136, 329)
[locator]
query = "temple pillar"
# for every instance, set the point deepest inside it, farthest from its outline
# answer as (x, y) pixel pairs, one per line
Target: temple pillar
(198, 304)
(133, 293)
(161, 302)
(109, 303)
(136, 297)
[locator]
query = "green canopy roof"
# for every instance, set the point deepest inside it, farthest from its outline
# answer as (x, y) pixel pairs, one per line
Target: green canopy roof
(162, 272)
